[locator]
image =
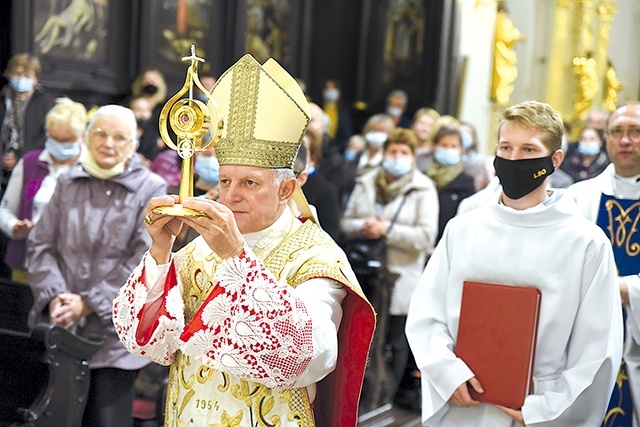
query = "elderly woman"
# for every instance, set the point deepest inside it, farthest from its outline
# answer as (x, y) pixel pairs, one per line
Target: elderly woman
(34, 178)
(81, 252)
(395, 187)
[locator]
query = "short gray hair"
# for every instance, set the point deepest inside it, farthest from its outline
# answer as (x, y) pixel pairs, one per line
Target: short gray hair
(123, 113)
(281, 174)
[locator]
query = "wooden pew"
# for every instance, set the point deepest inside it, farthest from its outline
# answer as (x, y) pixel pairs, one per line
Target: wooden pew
(44, 374)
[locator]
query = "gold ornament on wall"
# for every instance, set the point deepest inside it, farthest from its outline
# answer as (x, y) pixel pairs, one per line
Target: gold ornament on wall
(587, 84)
(611, 87)
(505, 70)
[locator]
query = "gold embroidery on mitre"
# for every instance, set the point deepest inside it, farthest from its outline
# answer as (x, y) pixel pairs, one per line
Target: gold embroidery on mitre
(267, 115)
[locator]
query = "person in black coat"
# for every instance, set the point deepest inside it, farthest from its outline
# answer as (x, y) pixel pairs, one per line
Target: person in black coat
(23, 107)
(340, 127)
(320, 193)
(447, 171)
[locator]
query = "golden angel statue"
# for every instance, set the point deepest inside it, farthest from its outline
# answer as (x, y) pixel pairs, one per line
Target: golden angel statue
(504, 57)
(585, 69)
(611, 87)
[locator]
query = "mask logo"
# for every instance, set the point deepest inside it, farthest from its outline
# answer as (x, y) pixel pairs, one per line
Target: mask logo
(540, 173)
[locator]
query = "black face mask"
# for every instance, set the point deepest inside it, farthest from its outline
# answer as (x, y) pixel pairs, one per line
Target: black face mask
(143, 123)
(520, 177)
(150, 89)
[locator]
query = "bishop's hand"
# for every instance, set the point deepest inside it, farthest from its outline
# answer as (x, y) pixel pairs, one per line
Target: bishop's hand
(217, 227)
(163, 229)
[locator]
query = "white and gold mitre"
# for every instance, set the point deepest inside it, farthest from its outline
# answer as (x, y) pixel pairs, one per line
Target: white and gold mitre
(266, 115)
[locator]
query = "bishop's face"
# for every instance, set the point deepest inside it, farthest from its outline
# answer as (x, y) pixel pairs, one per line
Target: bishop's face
(252, 195)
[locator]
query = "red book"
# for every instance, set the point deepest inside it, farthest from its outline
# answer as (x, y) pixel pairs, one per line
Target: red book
(497, 338)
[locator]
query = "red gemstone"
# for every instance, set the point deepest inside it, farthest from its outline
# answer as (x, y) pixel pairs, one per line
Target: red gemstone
(185, 118)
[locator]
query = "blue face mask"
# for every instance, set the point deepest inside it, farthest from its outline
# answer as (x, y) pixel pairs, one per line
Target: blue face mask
(466, 139)
(397, 167)
(208, 169)
(447, 156)
(589, 148)
(60, 151)
(21, 84)
(349, 156)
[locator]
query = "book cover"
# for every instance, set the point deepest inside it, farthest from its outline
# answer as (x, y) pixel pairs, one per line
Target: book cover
(497, 338)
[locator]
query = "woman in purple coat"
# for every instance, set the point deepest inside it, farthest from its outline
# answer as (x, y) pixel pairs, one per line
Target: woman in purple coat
(34, 178)
(89, 238)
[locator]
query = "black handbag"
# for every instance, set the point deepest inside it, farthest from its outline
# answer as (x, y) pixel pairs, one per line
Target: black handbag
(368, 256)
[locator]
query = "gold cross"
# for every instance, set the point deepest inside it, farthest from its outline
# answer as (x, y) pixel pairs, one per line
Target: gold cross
(193, 58)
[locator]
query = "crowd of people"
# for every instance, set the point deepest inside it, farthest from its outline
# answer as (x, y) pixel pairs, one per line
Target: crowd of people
(78, 216)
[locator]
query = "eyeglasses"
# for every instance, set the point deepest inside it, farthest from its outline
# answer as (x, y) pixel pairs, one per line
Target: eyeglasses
(118, 138)
(618, 133)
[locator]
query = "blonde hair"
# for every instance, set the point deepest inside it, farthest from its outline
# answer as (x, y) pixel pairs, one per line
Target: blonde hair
(539, 116)
(26, 60)
(425, 112)
(402, 136)
(66, 111)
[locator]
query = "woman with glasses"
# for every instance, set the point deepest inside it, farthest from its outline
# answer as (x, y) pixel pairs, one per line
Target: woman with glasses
(81, 252)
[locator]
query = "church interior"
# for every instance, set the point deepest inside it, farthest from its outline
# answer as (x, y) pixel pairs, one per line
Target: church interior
(469, 59)
(440, 52)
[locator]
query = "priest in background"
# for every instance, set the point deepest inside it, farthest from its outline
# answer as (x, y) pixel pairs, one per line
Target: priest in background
(612, 201)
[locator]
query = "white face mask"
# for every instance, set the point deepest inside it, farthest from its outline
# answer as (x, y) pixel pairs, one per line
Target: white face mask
(375, 139)
(397, 167)
(394, 112)
(331, 95)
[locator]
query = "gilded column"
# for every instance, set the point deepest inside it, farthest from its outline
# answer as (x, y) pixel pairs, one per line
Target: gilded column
(583, 26)
(605, 9)
(558, 93)
(585, 64)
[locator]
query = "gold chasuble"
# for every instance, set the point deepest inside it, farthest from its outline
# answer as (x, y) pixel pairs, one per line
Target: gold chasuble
(199, 395)
(238, 338)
